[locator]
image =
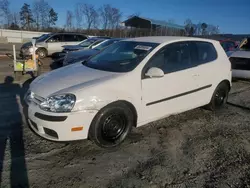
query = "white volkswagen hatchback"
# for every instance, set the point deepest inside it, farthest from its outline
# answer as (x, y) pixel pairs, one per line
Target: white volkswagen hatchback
(129, 84)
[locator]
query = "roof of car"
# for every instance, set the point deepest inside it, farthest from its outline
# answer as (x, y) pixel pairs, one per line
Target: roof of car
(73, 33)
(163, 39)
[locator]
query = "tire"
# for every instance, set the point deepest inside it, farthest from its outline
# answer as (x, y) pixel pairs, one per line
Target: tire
(42, 53)
(111, 125)
(219, 97)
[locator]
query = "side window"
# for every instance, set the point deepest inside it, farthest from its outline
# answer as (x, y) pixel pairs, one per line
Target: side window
(55, 38)
(177, 57)
(81, 37)
(156, 61)
(171, 58)
(70, 38)
(206, 52)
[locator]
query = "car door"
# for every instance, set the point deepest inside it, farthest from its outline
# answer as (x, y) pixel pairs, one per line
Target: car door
(55, 44)
(176, 91)
(204, 56)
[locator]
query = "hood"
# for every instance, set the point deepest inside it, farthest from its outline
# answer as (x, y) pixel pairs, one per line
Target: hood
(72, 47)
(240, 54)
(82, 54)
(74, 76)
(27, 45)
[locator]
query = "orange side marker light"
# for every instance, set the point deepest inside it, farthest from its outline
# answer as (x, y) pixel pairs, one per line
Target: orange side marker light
(76, 129)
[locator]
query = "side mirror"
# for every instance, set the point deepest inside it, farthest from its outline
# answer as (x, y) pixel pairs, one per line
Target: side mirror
(154, 72)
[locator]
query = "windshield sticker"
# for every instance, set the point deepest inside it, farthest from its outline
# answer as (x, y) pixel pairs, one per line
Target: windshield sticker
(140, 47)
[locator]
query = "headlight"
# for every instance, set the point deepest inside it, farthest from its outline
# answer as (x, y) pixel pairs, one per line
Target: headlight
(31, 49)
(29, 96)
(59, 103)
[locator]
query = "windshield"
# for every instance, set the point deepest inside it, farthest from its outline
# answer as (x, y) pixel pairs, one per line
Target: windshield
(43, 38)
(122, 56)
(105, 44)
(87, 42)
(95, 43)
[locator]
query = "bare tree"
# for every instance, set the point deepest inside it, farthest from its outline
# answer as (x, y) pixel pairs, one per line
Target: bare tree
(44, 12)
(69, 20)
(36, 14)
(15, 21)
(16, 18)
(212, 29)
(104, 15)
(114, 18)
(90, 14)
(78, 15)
(189, 27)
(5, 12)
(42, 15)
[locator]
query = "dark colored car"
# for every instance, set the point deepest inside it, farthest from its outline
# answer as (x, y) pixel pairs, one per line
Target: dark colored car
(82, 55)
(83, 45)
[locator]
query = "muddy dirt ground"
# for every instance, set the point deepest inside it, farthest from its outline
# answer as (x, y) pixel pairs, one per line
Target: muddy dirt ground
(198, 148)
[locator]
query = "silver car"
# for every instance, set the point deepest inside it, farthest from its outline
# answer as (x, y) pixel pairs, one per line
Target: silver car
(51, 43)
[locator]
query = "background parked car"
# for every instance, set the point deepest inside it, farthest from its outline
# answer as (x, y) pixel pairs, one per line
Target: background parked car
(51, 43)
(240, 60)
(228, 45)
(83, 45)
(82, 55)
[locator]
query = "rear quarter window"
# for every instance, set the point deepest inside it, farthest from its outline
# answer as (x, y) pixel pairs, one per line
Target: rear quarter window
(206, 52)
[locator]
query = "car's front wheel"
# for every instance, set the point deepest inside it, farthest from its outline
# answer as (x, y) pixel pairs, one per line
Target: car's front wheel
(219, 97)
(42, 53)
(111, 125)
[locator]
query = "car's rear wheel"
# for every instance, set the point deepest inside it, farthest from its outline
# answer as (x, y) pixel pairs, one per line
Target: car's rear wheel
(219, 97)
(42, 53)
(111, 125)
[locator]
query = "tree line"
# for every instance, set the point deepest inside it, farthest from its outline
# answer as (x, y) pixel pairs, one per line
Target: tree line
(40, 16)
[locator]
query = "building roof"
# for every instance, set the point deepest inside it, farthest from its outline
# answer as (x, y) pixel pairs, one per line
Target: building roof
(142, 22)
(164, 39)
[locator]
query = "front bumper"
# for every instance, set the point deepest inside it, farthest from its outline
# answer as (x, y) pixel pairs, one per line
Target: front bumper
(58, 126)
(25, 52)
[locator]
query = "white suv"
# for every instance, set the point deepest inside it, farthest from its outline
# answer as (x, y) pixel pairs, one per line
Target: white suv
(48, 44)
(129, 84)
